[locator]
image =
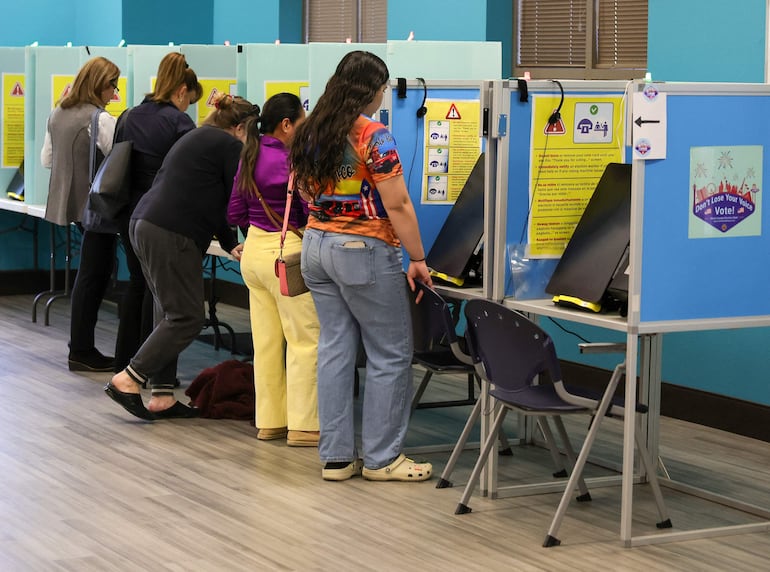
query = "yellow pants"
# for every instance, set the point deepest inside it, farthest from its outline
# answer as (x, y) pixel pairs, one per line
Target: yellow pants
(284, 331)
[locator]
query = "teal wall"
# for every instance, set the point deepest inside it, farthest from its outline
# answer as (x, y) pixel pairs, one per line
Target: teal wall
(456, 20)
(43, 21)
(158, 22)
(706, 40)
(247, 21)
(500, 29)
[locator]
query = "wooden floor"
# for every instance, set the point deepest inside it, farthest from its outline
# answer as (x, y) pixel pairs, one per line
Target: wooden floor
(84, 486)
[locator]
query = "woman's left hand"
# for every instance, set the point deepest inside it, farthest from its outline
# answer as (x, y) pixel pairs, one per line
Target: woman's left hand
(418, 271)
(237, 251)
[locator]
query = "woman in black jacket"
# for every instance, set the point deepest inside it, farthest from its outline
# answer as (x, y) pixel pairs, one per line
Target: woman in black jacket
(170, 231)
(153, 127)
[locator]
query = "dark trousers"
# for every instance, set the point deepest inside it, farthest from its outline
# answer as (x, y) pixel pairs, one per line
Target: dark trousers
(136, 307)
(172, 264)
(97, 261)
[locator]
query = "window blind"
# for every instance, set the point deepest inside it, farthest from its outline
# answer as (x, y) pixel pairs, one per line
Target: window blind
(581, 34)
(337, 20)
(621, 34)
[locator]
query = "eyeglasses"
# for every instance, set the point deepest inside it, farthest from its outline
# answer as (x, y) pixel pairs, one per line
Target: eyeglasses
(114, 84)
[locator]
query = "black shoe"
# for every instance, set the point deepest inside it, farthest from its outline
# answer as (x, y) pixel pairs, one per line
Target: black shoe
(177, 411)
(91, 360)
(131, 402)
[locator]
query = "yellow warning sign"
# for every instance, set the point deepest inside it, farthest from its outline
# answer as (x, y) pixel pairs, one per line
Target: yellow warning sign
(212, 88)
(12, 134)
(450, 149)
(453, 112)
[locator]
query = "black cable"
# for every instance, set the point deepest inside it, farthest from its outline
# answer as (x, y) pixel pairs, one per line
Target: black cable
(578, 336)
(534, 189)
(553, 119)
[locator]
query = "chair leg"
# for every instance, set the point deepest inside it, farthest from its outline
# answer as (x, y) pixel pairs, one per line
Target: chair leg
(505, 447)
(652, 475)
(584, 496)
(462, 506)
(545, 429)
(444, 481)
(577, 469)
(421, 389)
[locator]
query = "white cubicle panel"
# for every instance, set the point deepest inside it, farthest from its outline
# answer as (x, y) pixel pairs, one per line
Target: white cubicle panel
(432, 60)
(12, 103)
(324, 57)
(216, 68)
(266, 69)
(49, 75)
(47, 67)
(143, 68)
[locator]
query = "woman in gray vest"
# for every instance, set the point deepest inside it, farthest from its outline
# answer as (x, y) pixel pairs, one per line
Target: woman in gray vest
(66, 152)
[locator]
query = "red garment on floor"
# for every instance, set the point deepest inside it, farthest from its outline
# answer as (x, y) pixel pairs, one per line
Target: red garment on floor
(225, 391)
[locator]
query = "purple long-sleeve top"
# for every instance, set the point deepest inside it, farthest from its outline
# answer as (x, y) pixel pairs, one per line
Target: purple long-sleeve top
(271, 173)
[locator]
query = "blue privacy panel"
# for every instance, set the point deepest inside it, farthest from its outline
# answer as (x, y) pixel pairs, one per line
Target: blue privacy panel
(409, 133)
(697, 278)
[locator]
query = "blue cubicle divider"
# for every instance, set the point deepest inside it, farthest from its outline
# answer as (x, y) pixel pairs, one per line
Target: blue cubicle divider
(519, 139)
(702, 278)
(409, 132)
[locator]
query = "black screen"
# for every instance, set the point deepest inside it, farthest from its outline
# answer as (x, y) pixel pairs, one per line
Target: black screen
(16, 186)
(461, 234)
(599, 241)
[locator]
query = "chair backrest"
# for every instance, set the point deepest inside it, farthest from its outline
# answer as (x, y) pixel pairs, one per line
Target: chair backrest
(511, 349)
(432, 322)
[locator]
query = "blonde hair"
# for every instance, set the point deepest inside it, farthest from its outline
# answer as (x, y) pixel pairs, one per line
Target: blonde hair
(174, 72)
(96, 75)
(229, 111)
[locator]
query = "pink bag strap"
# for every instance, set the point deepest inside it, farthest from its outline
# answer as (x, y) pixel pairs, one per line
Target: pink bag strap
(289, 196)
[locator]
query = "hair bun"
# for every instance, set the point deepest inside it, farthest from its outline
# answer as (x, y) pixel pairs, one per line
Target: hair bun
(223, 100)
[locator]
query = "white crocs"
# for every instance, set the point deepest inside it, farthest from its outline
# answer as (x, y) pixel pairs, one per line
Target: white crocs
(402, 469)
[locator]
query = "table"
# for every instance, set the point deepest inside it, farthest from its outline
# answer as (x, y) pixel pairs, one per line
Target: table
(644, 342)
(215, 251)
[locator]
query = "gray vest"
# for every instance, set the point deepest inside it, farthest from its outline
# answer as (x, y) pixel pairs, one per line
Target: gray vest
(70, 146)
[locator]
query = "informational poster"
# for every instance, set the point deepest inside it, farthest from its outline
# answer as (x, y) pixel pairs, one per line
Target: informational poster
(212, 87)
(452, 146)
(299, 88)
(60, 87)
(12, 137)
(62, 84)
(569, 152)
(725, 191)
(649, 127)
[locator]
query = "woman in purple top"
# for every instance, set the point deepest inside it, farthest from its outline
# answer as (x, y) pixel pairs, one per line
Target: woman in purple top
(284, 329)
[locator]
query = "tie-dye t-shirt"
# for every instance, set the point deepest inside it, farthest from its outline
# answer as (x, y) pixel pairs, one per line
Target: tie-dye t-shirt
(354, 205)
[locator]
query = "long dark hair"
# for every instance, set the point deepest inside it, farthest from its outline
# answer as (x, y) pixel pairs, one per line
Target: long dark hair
(279, 107)
(319, 143)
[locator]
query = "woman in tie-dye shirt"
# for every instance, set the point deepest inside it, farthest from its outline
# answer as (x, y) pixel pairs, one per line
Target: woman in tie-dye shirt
(347, 166)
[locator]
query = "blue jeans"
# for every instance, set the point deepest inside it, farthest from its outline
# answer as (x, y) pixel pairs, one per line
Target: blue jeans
(359, 290)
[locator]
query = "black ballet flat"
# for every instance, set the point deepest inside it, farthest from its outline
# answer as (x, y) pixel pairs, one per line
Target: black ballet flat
(131, 402)
(177, 411)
